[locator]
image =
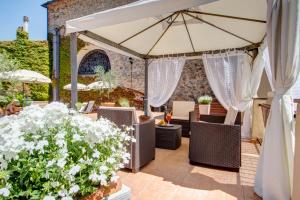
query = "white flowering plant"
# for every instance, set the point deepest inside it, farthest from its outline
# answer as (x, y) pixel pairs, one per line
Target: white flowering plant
(56, 153)
(205, 99)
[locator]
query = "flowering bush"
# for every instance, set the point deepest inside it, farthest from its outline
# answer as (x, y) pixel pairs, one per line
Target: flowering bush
(205, 99)
(54, 153)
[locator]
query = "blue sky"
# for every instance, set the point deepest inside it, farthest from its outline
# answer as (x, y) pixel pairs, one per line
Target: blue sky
(11, 17)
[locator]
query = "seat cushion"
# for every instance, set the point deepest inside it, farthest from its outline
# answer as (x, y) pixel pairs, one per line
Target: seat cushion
(182, 109)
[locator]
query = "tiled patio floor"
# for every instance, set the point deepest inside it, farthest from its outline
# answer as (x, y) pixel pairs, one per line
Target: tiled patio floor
(171, 177)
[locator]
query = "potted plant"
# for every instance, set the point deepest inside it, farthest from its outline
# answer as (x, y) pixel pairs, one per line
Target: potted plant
(109, 83)
(204, 104)
(55, 153)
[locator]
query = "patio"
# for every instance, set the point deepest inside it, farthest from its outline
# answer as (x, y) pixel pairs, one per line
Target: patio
(170, 176)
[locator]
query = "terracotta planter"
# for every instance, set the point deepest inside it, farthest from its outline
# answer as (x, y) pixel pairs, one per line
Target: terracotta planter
(108, 104)
(204, 109)
(105, 191)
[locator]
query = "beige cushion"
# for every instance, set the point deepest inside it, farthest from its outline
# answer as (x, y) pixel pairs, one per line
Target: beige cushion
(231, 116)
(181, 109)
(134, 115)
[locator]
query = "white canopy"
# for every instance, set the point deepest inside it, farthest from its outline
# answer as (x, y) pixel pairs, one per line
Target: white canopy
(154, 27)
(24, 76)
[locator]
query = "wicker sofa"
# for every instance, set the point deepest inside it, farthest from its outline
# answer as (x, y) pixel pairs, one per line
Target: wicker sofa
(143, 150)
(214, 143)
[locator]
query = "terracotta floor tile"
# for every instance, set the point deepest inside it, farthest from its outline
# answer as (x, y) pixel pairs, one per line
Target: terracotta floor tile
(171, 177)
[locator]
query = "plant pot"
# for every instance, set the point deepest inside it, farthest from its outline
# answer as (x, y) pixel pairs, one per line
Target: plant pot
(108, 104)
(204, 109)
(105, 191)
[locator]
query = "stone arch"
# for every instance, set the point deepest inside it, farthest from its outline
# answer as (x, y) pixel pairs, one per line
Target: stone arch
(88, 58)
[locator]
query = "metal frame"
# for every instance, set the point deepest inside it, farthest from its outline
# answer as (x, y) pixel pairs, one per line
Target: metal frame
(252, 46)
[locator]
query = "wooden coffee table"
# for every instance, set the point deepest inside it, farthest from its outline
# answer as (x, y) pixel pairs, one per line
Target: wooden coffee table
(168, 137)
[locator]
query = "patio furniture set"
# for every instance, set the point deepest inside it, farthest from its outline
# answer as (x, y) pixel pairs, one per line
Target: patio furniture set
(214, 140)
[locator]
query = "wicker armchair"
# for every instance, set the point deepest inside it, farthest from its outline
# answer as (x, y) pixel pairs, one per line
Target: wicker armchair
(143, 150)
(214, 143)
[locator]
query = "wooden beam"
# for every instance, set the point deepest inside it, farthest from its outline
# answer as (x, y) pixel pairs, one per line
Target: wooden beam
(74, 71)
(217, 27)
(188, 32)
(227, 16)
(163, 33)
(111, 43)
(199, 53)
(146, 28)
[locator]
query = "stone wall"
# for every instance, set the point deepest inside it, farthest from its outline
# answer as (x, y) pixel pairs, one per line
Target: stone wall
(193, 82)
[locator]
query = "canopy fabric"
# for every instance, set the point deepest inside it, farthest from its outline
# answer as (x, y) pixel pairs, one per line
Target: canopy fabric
(274, 177)
(201, 25)
(234, 83)
(80, 87)
(164, 75)
(130, 12)
(24, 76)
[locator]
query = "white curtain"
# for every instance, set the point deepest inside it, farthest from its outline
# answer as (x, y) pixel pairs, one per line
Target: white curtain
(234, 83)
(163, 77)
(275, 170)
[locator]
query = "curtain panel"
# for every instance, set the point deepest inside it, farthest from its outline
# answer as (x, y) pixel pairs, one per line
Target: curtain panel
(234, 82)
(163, 77)
(274, 176)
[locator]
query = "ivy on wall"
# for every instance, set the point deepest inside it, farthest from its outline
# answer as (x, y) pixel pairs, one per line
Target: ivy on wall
(32, 55)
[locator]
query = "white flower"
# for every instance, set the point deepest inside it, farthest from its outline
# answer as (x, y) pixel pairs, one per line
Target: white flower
(96, 154)
(103, 169)
(74, 170)
(114, 178)
(48, 197)
(67, 198)
(62, 193)
(76, 137)
(102, 179)
(55, 184)
(50, 163)
(74, 189)
(111, 160)
(61, 163)
(94, 177)
(4, 192)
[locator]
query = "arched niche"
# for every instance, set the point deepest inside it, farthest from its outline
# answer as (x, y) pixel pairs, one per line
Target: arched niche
(91, 60)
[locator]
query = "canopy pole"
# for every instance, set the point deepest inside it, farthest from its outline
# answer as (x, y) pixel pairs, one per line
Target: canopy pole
(74, 71)
(55, 47)
(146, 103)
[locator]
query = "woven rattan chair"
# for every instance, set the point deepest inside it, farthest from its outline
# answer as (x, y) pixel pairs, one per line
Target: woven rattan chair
(214, 143)
(143, 150)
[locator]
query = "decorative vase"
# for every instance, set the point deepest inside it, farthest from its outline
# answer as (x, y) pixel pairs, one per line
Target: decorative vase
(108, 104)
(204, 109)
(105, 191)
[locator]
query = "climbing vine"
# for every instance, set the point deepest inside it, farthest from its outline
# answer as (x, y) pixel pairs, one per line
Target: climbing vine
(31, 55)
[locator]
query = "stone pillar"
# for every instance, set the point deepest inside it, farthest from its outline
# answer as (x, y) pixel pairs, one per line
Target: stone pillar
(74, 71)
(146, 103)
(56, 64)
